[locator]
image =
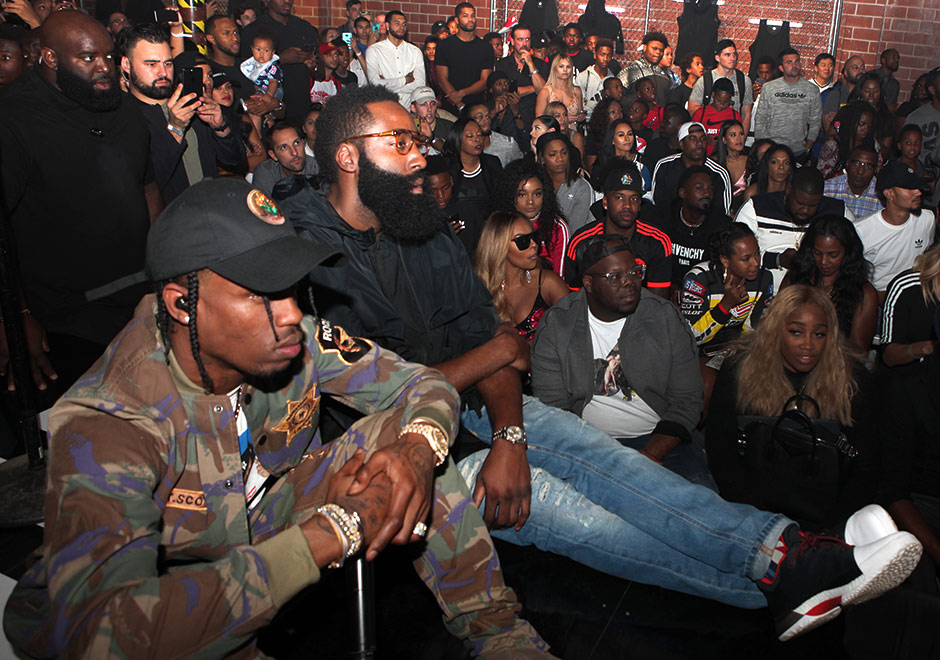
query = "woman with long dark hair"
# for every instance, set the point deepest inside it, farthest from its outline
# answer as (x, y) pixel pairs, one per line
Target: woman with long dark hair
(619, 145)
(853, 125)
(475, 173)
(831, 257)
(605, 112)
(729, 153)
(507, 260)
(797, 349)
(773, 172)
(574, 194)
(526, 188)
(870, 90)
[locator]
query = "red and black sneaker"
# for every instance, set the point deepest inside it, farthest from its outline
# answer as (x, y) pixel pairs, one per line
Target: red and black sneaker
(813, 577)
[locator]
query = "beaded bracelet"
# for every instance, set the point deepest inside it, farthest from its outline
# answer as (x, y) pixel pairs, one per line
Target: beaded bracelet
(348, 528)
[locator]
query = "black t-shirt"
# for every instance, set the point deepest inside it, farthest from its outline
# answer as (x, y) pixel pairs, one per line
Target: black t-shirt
(73, 183)
(689, 244)
(465, 61)
(582, 59)
(242, 87)
(523, 77)
(657, 149)
(297, 33)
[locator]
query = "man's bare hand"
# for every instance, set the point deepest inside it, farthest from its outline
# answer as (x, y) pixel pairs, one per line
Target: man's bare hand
(293, 55)
(260, 104)
(210, 112)
(410, 78)
(22, 9)
(38, 346)
(505, 483)
(409, 464)
(180, 113)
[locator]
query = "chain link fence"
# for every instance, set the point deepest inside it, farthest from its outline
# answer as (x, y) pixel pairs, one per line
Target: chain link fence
(810, 22)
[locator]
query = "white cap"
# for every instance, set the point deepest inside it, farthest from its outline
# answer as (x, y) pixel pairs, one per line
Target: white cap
(686, 127)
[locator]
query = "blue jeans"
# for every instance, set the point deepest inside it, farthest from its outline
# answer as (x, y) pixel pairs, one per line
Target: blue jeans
(611, 508)
(687, 459)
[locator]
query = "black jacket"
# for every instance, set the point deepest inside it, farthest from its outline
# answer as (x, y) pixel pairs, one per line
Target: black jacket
(421, 300)
(167, 153)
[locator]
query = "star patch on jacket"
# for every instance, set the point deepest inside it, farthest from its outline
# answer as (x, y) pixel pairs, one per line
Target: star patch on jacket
(333, 338)
(299, 415)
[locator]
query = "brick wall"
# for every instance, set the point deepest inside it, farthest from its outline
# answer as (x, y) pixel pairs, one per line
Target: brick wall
(911, 26)
(867, 26)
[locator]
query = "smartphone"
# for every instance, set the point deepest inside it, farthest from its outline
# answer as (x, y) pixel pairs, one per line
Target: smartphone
(375, 27)
(347, 37)
(192, 83)
(167, 15)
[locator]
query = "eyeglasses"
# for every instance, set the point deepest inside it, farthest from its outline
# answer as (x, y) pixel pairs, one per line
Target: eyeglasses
(862, 165)
(404, 139)
(618, 278)
(523, 241)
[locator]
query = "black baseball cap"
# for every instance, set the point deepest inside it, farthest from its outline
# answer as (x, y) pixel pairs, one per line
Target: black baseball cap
(600, 247)
(234, 230)
(626, 177)
(896, 174)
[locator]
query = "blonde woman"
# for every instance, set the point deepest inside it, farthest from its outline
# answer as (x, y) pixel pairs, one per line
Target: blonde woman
(560, 87)
(796, 349)
(507, 260)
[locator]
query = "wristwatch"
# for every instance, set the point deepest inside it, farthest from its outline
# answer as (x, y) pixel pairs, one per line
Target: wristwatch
(513, 434)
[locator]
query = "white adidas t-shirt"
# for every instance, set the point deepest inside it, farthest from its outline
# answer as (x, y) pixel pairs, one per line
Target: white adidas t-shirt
(616, 409)
(891, 248)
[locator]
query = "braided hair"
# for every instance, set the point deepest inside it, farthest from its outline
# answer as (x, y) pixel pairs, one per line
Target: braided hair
(191, 302)
(721, 244)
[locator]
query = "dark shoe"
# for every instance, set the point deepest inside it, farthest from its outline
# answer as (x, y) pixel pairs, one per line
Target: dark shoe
(820, 574)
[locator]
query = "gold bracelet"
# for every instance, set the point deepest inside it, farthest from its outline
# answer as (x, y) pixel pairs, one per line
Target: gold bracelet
(433, 434)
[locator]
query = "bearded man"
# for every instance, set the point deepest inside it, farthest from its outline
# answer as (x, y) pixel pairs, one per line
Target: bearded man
(80, 195)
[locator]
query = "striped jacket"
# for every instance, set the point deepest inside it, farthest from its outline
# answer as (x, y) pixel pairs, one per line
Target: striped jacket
(666, 176)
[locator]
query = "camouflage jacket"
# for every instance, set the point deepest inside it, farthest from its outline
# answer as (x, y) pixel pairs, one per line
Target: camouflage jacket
(148, 549)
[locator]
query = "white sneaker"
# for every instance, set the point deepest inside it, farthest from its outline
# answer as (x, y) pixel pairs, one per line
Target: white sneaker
(885, 564)
(867, 525)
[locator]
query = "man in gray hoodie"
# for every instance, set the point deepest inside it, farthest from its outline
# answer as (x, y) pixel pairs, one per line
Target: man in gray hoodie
(789, 111)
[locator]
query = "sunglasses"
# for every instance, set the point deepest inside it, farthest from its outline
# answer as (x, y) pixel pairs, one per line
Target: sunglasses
(523, 241)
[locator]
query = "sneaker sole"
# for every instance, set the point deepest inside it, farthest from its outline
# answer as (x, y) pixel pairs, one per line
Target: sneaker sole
(893, 573)
(898, 561)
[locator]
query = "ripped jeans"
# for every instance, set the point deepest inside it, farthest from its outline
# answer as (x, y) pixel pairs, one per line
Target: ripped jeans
(609, 507)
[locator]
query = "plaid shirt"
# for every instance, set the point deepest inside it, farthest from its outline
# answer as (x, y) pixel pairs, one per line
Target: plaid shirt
(861, 205)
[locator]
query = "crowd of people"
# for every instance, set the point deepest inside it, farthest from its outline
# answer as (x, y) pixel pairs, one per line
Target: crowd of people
(598, 268)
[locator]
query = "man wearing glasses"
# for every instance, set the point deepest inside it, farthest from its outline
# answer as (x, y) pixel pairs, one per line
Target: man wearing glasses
(408, 285)
(650, 398)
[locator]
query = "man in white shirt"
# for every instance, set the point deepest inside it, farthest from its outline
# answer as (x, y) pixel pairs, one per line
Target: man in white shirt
(893, 237)
(394, 62)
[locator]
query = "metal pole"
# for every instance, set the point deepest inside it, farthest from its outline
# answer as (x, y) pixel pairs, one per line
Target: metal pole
(834, 28)
(360, 586)
(646, 19)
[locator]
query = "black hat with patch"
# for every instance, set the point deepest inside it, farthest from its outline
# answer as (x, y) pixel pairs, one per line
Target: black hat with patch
(624, 178)
(234, 230)
(896, 174)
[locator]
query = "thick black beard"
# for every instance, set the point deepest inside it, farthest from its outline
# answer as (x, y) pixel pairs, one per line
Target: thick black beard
(152, 91)
(403, 215)
(84, 93)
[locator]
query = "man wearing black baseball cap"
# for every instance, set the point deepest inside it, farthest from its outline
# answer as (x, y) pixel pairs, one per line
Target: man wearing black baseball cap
(194, 442)
(623, 360)
(894, 236)
(623, 196)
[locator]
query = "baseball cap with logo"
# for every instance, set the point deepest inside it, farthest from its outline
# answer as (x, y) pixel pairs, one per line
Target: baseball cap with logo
(234, 230)
(896, 174)
(423, 95)
(686, 128)
(626, 177)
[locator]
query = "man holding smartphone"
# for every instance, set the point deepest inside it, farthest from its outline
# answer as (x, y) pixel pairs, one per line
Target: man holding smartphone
(394, 62)
(189, 134)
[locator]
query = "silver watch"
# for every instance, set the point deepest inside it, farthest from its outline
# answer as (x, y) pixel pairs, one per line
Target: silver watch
(513, 434)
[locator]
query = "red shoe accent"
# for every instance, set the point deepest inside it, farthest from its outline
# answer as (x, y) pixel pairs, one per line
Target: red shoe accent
(825, 606)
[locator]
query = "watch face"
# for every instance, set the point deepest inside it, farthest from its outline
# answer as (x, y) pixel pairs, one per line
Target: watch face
(514, 434)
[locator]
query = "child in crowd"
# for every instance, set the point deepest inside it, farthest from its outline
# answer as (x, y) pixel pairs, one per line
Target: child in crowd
(639, 112)
(716, 113)
(646, 90)
(262, 69)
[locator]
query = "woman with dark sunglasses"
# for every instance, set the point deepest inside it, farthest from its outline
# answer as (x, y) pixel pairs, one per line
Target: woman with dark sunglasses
(507, 260)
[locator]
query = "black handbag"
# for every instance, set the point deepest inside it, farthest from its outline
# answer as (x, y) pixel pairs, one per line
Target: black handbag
(798, 464)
